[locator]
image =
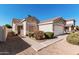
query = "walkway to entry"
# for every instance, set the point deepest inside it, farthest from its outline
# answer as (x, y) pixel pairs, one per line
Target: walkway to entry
(37, 46)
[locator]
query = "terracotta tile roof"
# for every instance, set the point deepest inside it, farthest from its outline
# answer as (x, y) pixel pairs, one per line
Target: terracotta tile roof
(55, 19)
(16, 20)
(50, 19)
(70, 20)
(31, 17)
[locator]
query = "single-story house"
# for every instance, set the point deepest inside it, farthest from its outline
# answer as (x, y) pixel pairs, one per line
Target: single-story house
(57, 25)
(30, 24)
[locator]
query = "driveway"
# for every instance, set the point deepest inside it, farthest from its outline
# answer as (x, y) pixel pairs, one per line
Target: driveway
(60, 48)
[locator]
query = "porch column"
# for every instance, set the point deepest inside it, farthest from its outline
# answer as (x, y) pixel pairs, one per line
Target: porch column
(14, 28)
(69, 29)
(24, 28)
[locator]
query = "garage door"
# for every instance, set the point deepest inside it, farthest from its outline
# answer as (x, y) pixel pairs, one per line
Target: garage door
(58, 30)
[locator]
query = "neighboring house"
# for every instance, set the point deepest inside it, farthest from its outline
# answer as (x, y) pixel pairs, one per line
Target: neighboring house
(30, 24)
(70, 25)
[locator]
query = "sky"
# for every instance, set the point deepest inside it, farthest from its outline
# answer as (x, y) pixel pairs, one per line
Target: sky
(40, 11)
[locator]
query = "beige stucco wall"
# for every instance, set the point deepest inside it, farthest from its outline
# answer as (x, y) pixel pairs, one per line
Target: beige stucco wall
(2, 34)
(46, 26)
(70, 22)
(70, 29)
(47, 22)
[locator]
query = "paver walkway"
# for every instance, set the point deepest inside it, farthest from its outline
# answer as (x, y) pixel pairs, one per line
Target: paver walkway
(35, 45)
(38, 46)
(61, 47)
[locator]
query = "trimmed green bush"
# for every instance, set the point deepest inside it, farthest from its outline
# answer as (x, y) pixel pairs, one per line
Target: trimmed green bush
(77, 28)
(49, 35)
(73, 38)
(39, 35)
(27, 34)
(31, 34)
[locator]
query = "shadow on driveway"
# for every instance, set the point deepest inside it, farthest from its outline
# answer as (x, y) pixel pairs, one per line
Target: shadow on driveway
(13, 45)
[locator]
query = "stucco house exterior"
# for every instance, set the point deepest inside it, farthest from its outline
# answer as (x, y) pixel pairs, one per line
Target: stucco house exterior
(58, 25)
(29, 24)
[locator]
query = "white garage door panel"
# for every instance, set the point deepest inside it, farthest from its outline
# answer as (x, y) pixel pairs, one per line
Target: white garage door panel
(46, 28)
(58, 30)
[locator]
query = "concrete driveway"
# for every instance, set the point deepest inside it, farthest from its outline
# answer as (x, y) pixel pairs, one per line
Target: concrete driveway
(60, 48)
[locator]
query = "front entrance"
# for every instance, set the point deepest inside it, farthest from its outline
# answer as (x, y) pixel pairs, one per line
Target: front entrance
(31, 27)
(20, 30)
(66, 29)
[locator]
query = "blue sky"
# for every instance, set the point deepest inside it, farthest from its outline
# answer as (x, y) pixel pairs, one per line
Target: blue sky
(41, 11)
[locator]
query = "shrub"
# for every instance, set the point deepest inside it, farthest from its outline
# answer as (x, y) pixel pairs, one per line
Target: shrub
(73, 38)
(39, 35)
(49, 35)
(27, 35)
(30, 34)
(11, 33)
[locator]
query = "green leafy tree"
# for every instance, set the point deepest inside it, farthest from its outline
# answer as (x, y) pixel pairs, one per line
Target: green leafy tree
(8, 26)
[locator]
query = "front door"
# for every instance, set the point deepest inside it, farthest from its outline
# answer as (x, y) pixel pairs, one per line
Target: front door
(20, 30)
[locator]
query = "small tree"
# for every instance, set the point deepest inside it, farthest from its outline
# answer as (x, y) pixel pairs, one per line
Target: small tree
(29, 15)
(8, 26)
